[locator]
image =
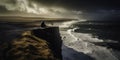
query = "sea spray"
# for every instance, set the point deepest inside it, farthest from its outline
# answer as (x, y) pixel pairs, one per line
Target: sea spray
(83, 43)
(67, 24)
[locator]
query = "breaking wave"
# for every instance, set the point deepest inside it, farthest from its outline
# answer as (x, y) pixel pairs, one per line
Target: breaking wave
(83, 42)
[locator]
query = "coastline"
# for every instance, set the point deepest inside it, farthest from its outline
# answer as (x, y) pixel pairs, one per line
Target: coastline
(86, 47)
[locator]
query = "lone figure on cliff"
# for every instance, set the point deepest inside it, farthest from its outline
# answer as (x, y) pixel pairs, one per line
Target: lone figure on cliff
(43, 24)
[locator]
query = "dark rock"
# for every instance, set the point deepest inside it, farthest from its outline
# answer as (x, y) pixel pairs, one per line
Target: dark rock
(52, 36)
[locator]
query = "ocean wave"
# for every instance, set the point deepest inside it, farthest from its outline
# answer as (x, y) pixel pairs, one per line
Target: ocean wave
(67, 24)
(83, 42)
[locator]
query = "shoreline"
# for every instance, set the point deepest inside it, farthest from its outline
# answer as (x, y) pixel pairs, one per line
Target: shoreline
(90, 49)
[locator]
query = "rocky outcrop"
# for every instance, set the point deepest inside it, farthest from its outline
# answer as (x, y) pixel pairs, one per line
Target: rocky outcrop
(38, 44)
(52, 36)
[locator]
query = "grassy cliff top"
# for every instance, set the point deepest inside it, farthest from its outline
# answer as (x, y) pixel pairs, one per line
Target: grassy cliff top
(26, 47)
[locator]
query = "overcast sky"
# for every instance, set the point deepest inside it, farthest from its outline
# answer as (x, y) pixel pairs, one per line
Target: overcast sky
(85, 4)
(88, 8)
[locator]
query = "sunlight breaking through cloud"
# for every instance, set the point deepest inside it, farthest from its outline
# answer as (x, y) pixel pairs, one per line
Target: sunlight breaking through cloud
(28, 6)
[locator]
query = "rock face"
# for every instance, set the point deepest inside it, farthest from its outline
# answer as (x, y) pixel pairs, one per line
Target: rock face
(38, 44)
(52, 36)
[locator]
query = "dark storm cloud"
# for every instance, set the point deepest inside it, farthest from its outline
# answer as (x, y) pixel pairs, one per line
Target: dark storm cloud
(83, 4)
(76, 4)
(46, 1)
(3, 9)
(89, 9)
(38, 7)
(6, 4)
(102, 15)
(92, 9)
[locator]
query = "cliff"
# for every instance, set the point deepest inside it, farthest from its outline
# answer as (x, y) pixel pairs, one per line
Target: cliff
(38, 44)
(52, 36)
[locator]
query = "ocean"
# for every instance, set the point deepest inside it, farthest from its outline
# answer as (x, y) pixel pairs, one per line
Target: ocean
(90, 40)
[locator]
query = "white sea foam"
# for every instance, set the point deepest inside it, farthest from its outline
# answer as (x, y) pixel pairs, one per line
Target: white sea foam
(82, 42)
(67, 24)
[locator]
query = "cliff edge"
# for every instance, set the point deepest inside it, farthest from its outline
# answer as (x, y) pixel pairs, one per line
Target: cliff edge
(37, 44)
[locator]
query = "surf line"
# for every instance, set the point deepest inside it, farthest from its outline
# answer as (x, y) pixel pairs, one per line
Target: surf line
(70, 33)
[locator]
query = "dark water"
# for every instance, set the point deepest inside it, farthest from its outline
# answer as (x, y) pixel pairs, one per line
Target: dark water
(105, 30)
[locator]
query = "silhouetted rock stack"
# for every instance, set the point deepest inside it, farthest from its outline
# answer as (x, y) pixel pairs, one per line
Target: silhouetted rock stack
(52, 36)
